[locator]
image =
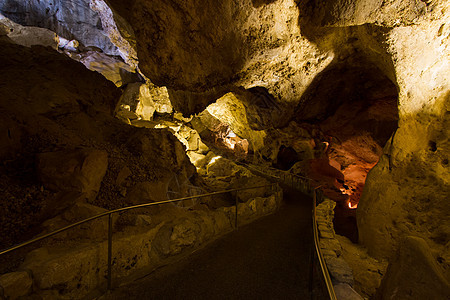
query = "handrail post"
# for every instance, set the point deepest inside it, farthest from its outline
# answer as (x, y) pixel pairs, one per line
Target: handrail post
(236, 220)
(109, 251)
(311, 272)
(313, 251)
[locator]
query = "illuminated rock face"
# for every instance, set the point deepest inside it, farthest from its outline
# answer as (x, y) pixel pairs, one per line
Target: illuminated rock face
(407, 192)
(85, 21)
(358, 12)
(202, 51)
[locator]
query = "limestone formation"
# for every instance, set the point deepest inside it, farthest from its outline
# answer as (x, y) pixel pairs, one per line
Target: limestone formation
(136, 103)
(231, 111)
(73, 170)
(367, 271)
(121, 70)
(114, 69)
(75, 270)
(28, 36)
(90, 22)
(200, 53)
(425, 277)
(16, 284)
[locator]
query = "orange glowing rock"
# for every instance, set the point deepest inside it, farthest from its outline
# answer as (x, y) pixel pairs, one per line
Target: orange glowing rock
(352, 206)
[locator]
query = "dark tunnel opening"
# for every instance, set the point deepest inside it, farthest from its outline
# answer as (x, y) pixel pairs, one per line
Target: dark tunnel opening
(355, 110)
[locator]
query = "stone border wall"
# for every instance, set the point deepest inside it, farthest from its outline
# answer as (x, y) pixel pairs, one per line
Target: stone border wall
(340, 271)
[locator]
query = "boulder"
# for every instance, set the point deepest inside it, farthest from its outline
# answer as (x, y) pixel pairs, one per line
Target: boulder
(220, 167)
(144, 192)
(111, 67)
(136, 102)
(74, 271)
(80, 210)
(59, 203)
(184, 234)
(198, 160)
(80, 170)
(246, 195)
(414, 274)
(97, 228)
(162, 149)
(161, 98)
(16, 284)
(124, 173)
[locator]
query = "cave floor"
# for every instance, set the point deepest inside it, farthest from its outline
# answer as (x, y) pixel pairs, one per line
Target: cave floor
(266, 259)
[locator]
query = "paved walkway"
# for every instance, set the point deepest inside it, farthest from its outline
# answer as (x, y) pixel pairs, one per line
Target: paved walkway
(267, 259)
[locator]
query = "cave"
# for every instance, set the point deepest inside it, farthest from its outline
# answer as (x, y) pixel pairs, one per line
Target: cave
(166, 131)
(355, 107)
(286, 158)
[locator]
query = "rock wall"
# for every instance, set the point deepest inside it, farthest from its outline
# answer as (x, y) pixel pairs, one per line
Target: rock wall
(406, 193)
(66, 158)
(357, 12)
(90, 22)
(60, 143)
(425, 277)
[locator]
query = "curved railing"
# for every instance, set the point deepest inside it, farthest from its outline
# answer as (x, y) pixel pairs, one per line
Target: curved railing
(110, 214)
(303, 184)
(322, 263)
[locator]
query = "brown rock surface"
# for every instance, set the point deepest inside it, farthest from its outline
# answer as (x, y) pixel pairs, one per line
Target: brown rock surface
(414, 274)
(73, 170)
(200, 51)
(60, 125)
(16, 284)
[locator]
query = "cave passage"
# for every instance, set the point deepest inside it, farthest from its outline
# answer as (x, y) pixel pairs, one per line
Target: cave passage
(355, 111)
(244, 264)
(286, 158)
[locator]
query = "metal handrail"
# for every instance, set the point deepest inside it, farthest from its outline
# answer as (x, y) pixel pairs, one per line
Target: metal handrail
(111, 212)
(299, 178)
(278, 171)
(322, 263)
